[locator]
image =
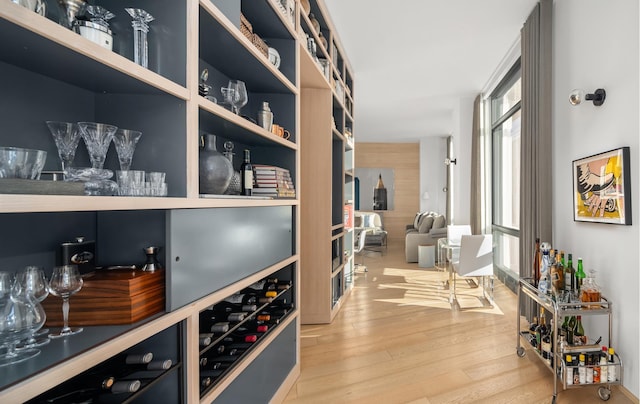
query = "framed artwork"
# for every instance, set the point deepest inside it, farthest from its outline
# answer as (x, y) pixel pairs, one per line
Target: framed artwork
(602, 188)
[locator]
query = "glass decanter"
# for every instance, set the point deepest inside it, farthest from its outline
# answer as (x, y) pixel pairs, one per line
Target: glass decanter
(590, 291)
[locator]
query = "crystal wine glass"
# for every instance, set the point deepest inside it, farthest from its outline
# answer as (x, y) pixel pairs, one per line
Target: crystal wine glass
(33, 282)
(240, 97)
(65, 281)
(125, 141)
(97, 137)
(67, 136)
(18, 319)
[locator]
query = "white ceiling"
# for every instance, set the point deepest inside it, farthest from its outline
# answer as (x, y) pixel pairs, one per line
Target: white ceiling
(414, 60)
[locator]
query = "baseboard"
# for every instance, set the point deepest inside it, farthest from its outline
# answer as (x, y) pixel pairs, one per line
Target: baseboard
(628, 394)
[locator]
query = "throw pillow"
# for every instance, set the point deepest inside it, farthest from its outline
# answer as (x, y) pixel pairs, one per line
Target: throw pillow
(438, 222)
(426, 224)
(368, 220)
(416, 220)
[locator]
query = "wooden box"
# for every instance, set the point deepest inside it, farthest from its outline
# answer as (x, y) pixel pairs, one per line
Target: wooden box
(109, 297)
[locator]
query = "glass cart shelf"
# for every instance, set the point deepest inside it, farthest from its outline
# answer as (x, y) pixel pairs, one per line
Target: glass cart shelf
(558, 311)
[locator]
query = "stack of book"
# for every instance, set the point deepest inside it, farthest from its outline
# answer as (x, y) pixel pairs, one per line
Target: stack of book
(273, 181)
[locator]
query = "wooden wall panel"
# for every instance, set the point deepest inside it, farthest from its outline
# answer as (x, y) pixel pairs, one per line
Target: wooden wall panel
(404, 159)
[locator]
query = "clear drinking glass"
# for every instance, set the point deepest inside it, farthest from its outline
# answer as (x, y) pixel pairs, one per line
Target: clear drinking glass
(33, 282)
(239, 96)
(67, 136)
(125, 141)
(97, 137)
(65, 281)
(19, 318)
(140, 24)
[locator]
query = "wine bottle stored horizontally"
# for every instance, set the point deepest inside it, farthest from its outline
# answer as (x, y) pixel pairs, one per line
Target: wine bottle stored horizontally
(246, 174)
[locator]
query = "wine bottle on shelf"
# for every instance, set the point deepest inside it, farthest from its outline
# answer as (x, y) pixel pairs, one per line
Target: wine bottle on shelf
(215, 365)
(532, 331)
(568, 361)
(578, 331)
(228, 307)
(158, 364)
(536, 263)
(541, 330)
(246, 174)
(557, 273)
(230, 339)
(596, 368)
(205, 381)
(570, 274)
(248, 298)
(204, 339)
(604, 377)
(582, 370)
(580, 275)
(570, 330)
(138, 358)
(612, 374)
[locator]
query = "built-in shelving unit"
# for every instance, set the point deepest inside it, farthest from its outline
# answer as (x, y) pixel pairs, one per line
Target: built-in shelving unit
(327, 156)
(211, 247)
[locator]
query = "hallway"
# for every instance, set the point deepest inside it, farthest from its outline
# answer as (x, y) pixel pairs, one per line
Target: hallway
(396, 340)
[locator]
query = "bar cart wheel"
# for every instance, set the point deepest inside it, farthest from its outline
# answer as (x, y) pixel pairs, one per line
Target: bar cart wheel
(520, 351)
(604, 393)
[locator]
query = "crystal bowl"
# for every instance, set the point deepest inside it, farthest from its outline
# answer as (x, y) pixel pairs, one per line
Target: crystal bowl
(21, 163)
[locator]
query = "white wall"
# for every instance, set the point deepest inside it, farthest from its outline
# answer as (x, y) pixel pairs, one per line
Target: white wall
(462, 124)
(433, 177)
(596, 44)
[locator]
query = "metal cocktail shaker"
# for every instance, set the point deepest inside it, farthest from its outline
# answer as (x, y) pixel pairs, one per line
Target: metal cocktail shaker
(265, 116)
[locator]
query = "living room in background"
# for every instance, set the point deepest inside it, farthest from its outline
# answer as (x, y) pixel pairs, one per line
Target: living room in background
(505, 103)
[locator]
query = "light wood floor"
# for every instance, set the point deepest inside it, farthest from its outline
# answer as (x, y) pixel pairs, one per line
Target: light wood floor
(396, 340)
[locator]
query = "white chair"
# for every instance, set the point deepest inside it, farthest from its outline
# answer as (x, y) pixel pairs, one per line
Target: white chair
(361, 239)
(476, 260)
(448, 248)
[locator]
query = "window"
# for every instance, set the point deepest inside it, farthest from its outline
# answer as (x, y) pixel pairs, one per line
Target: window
(505, 139)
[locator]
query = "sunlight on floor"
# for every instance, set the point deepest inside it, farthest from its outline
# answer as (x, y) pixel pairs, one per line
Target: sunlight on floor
(427, 288)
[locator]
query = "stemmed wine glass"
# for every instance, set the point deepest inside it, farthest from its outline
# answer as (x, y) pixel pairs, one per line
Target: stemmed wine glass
(97, 137)
(65, 281)
(19, 318)
(240, 97)
(34, 284)
(125, 141)
(67, 136)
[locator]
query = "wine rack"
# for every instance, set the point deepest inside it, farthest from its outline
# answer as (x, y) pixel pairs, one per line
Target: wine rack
(246, 310)
(100, 384)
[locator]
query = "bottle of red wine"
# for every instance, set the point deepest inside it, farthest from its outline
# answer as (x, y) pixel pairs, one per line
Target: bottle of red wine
(246, 174)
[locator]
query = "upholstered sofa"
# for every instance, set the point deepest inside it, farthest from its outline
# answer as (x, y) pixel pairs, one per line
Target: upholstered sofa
(426, 229)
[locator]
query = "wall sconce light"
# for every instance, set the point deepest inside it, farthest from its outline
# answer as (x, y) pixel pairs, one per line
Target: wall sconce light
(449, 161)
(578, 96)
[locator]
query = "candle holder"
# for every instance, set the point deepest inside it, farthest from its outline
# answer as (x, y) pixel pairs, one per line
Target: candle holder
(140, 24)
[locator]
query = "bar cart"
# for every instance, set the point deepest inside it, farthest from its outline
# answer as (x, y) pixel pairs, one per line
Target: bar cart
(559, 367)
